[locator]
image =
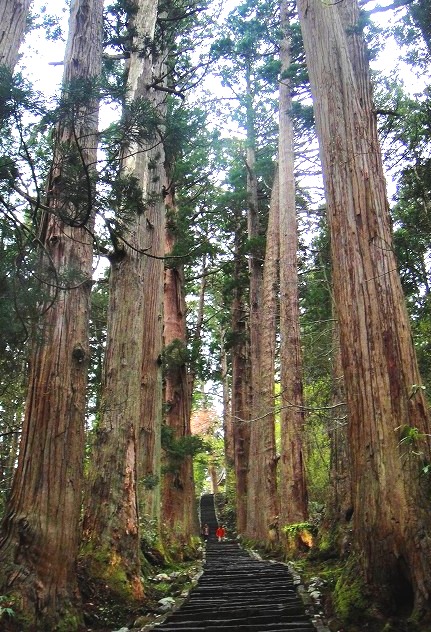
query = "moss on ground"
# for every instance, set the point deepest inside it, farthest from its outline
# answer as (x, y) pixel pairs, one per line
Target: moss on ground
(350, 597)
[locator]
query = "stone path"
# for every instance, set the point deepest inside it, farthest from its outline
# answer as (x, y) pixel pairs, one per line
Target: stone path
(238, 592)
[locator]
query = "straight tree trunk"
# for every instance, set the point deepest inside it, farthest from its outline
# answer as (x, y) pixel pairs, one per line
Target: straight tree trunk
(40, 532)
(152, 378)
(13, 18)
(293, 487)
(240, 400)
(255, 466)
(196, 336)
(263, 413)
(179, 509)
(111, 551)
(227, 409)
(391, 532)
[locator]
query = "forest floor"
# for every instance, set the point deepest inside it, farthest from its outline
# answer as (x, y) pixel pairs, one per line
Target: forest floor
(166, 588)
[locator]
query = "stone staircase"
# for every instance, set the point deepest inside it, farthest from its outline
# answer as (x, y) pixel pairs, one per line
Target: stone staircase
(238, 592)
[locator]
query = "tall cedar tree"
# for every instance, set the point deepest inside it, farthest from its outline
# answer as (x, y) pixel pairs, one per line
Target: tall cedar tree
(293, 488)
(13, 18)
(149, 467)
(264, 423)
(240, 400)
(179, 509)
(40, 531)
(111, 523)
(388, 419)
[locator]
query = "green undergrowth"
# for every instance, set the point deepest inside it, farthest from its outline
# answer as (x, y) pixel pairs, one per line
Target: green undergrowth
(14, 617)
(103, 610)
(178, 550)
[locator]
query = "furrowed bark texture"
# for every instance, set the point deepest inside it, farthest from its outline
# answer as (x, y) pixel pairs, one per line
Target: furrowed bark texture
(179, 509)
(152, 387)
(111, 527)
(240, 393)
(264, 417)
(255, 465)
(340, 506)
(293, 488)
(40, 532)
(13, 16)
(390, 521)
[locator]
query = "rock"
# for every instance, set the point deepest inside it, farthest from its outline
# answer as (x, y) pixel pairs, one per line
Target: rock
(317, 582)
(142, 621)
(122, 630)
(315, 594)
(166, 601)
(162, 577)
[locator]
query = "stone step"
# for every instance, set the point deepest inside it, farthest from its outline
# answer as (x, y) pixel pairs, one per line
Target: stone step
(238, 592)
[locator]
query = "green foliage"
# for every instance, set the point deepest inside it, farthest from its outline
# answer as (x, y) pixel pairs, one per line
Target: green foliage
(119, 29)
(317, 394)
(175, 355)
(138, 125)
(414, 443)
(126, 197)
(148, 529)
(295, 528)
(7, 609)
(350, 598)
(179, 448)
(150, 481)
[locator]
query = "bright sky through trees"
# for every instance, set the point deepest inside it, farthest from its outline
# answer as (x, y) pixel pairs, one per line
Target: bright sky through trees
(42, 56)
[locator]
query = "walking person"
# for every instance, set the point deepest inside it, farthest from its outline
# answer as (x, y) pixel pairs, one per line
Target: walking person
(205, 532)
(220, 533)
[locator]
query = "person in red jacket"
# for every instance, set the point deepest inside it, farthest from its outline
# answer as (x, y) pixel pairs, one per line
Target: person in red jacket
(220, 533)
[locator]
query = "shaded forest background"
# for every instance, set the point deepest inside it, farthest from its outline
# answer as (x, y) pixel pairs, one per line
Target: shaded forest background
(195, 298)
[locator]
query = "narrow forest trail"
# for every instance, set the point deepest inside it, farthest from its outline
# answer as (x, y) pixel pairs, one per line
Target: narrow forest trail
(238, 592)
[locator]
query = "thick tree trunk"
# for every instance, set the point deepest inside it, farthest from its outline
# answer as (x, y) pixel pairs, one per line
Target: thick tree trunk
(152, 386)
(293, 488)
(385, 402)
(40, 532)
(13, 18)
(254, 490)
(111, 551)
(240, 401)
(263, 412)
(341, 501)
(179, 509)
